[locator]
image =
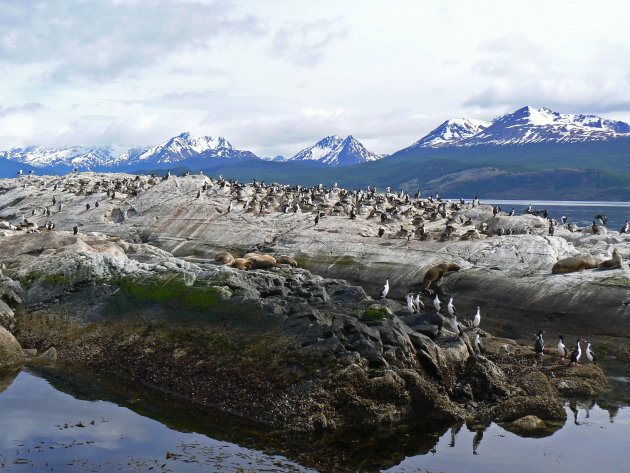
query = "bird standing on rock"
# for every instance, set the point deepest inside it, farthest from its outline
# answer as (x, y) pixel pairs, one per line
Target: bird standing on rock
(418, 304)
(477, 319)
(540, 345)
(562, 350)
(450, 307)
(385, 289)
(436, 304)
(577, 353)
(590, 356)
(410, 305)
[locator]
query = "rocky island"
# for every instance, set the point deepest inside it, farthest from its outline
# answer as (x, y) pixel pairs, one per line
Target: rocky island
(117, 273)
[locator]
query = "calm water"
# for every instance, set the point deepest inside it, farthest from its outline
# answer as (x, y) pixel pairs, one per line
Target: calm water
(46, 429)
(580, 213)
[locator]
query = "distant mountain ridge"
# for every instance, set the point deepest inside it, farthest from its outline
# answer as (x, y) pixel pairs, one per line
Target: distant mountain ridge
(336, 151)
(526, 125)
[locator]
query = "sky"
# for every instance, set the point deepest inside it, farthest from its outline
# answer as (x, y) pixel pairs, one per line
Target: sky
(276, 76)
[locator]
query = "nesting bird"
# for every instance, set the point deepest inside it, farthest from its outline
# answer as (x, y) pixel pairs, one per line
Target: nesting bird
(562, 350)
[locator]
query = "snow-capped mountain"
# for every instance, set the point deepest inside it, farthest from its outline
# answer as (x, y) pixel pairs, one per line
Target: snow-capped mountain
(178, 148)
(336, 151)
(451, 132)
(524, 126)
(186, 146)
(73, 156)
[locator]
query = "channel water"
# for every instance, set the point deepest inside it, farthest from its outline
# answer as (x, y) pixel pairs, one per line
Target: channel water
(56, 420)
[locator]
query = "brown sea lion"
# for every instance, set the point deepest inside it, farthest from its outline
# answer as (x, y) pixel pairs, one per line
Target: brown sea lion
(259, 262)
(224, 257)
(260, 255)
(614, 262)
(575, 263)
(242, 263)
(286, 260)
(436, 274)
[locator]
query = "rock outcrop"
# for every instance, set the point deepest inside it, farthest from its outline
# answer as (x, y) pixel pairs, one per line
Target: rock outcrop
(284, 346)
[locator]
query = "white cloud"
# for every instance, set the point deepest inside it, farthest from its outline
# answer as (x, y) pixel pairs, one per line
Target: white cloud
(274, 77)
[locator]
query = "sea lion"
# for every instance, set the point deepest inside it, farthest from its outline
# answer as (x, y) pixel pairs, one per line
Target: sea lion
(262, 263)
(436, 274)
(242, 263)
(260, 255)
(613, 263)
(286, 260)
(575, 263)
(224, 257)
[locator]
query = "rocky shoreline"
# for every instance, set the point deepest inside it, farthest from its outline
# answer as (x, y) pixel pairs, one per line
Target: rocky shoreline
(136, 293)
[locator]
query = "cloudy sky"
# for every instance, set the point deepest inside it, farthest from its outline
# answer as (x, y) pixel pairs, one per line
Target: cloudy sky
(275, 76)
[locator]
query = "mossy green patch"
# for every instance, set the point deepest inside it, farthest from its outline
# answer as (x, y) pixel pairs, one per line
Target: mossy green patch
(375, 315)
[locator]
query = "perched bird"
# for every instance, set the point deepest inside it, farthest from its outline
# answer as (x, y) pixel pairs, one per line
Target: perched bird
(381, 232)
(595, 228)
(562, 350)
(577, 353)
(385, 289)
(418, 304)
(478, 346)
(455, 326)
(75, 229)
(410, 304)
(316, 219)
(87, 206)
(450, 307)
(590, 356)
(626, 227)
(477, 319)
(436, 304)
(19, 172)
(551, 229)
(540, 345)
(511, 214)
(410, 236)
(564, 219)
(230, 206)
(602, 218)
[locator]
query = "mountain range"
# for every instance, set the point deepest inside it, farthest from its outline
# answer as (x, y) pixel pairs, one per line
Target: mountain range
(575, 155)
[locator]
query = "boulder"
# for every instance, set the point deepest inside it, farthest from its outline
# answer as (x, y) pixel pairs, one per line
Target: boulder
(11, 353)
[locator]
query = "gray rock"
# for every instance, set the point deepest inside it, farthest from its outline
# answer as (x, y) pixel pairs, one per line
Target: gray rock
(11, 353)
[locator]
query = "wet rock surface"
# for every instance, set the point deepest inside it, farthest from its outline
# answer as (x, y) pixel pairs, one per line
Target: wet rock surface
(283, 346)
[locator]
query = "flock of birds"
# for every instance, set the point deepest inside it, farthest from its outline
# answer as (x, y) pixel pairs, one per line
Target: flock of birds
(416, 306)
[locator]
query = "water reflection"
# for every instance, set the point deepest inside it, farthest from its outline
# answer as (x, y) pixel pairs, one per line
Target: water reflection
(45, 425)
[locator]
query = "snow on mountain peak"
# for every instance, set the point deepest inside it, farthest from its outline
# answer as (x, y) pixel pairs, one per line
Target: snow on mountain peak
(523, 126)
(336, 151)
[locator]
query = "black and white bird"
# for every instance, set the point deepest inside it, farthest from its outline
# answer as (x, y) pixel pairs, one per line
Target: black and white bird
(626, 227)
(410, 305)
(478, 346)
(450, 307)
(436, 304)
(577, 353)
(381, 232)
(418, 304)
(385, 289)
(540, 345)
(511, 214)
(477, 319)
(317, 219)
(590, 356)
(562, 350)
(410, 236)
(455, 325)
(230, 206)
(19, 172)
(602, 218)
